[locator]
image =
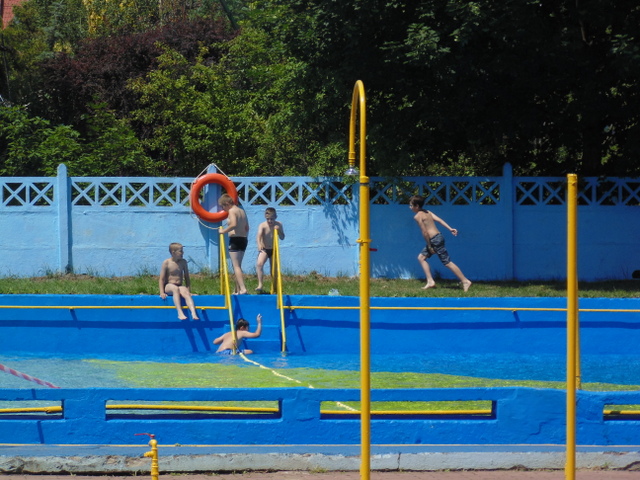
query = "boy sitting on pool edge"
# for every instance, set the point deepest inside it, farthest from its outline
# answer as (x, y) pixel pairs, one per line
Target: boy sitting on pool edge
(242, 331)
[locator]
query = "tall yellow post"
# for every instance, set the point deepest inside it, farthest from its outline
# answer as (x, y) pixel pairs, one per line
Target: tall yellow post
(572, 324)
(226, 291)
(276, 285)
(358, 108)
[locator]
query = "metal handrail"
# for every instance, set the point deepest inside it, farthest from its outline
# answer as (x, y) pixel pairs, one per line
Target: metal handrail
(226, 290)
(276, 284)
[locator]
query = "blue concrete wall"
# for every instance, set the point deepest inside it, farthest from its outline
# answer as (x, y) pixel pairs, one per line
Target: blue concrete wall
(510, 228)
(519, 415)
(82, 324)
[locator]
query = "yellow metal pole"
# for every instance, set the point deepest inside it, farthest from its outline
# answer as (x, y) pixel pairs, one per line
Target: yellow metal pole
(572, 324)
(224, 274)
(358, 106)
(277, 281)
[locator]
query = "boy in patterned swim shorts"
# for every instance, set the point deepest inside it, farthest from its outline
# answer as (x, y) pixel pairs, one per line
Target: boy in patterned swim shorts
(435, 242)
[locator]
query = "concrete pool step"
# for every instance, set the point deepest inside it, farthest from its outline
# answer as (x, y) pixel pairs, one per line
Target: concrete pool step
(265, 345)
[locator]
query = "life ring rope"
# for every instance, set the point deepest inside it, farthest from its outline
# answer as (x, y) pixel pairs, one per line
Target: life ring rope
(199, 183)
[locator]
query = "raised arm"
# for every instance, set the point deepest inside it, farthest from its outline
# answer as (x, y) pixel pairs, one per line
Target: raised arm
(258, 331)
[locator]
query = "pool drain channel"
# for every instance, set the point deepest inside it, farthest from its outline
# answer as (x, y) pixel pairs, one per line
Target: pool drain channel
(277, 374)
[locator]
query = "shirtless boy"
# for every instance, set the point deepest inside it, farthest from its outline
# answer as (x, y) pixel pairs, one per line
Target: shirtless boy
(242, 331)
(435, 242)
(265, 244)
(238, 229)
(173, 273)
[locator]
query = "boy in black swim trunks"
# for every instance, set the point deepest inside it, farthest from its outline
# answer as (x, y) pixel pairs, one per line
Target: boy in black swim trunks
(435, 242)
(265, 244)
(174, 280)
(238, 229)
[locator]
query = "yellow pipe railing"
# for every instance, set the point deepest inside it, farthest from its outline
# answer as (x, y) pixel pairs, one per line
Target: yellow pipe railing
(252, 410)
(510, 309)
(276, 284)
(324, 307)
(572, 325)
(358, 110)
(98, 307)
(225, 289)
(198, 408)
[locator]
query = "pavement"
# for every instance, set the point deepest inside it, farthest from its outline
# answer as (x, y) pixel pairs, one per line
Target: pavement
(373, 475)
(418, 462)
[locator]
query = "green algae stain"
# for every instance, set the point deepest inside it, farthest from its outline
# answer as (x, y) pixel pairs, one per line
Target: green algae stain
(217, 375)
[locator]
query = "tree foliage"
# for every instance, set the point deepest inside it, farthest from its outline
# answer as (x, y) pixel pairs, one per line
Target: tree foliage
(453, 87)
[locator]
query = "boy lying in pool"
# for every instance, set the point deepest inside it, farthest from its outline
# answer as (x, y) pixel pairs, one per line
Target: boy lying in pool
(242, 331)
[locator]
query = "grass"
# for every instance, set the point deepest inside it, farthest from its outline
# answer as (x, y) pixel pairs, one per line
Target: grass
(316, 284)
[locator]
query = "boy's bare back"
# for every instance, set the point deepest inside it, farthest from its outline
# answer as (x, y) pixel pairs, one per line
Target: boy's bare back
(238, 219)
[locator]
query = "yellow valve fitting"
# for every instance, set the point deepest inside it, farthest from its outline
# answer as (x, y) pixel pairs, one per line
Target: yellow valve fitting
(153, 454)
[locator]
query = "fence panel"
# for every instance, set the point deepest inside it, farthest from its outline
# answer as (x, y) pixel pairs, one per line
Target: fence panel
(509, 228)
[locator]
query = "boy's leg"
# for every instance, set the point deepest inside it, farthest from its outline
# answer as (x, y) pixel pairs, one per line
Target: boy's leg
(186, 294)
(262, 259)
(427, 271)
(174, 291)
(464, 281)
(236, 261)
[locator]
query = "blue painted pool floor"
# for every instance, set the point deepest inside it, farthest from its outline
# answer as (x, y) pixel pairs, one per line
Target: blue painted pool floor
(78, 373)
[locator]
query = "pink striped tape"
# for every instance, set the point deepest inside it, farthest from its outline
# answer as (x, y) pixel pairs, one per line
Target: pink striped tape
(18, 374)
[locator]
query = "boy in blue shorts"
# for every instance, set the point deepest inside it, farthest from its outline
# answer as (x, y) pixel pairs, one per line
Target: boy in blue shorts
(242, 331)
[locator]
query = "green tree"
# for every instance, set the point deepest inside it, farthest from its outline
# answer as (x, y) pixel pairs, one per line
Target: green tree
(32, 146)
(28, 143)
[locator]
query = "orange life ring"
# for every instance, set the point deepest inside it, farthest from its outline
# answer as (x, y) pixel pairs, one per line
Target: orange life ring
(194, 196)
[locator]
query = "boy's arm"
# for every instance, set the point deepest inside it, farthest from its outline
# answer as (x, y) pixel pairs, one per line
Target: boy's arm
(259, 237)
(280, 230)
(258, 331)
(162, 280)
(436, 218)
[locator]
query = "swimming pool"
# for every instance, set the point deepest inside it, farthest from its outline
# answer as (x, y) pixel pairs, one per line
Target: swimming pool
(102, 372)
(115, 345)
